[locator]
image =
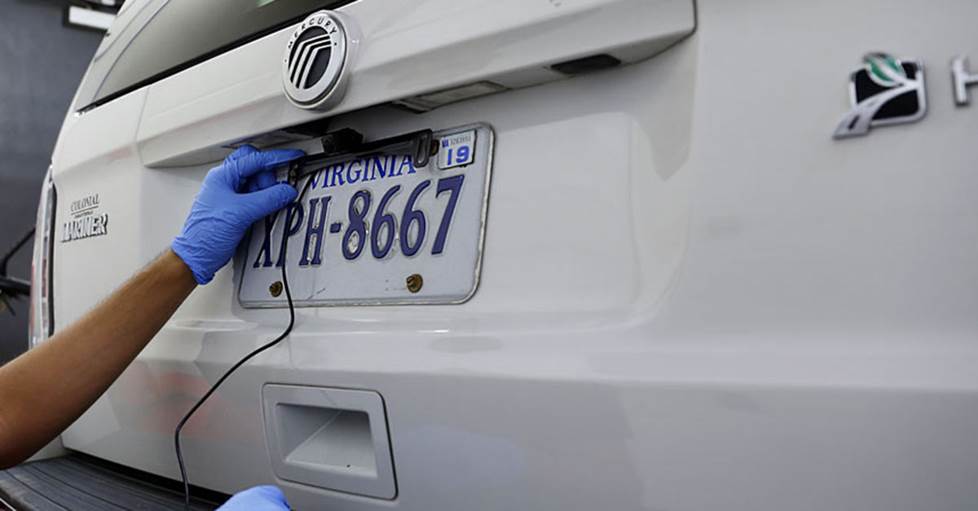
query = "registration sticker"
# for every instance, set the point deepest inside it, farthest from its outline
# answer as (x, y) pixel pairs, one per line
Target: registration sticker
(457, 150)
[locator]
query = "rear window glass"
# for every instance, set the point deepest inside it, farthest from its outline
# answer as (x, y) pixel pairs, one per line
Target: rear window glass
(185, 32)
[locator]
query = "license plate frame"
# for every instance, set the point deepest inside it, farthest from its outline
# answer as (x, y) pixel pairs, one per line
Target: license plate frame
(462, 269)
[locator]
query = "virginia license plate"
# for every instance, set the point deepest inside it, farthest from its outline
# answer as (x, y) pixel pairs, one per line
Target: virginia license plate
(374, 230)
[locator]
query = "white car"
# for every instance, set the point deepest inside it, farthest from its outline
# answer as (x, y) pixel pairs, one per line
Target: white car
(551, 254)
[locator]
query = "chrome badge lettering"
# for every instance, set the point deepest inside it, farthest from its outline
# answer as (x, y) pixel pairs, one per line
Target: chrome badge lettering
(962, 79)
(86, 221)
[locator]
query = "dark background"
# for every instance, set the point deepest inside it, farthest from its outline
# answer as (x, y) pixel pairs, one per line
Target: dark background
(41, 63)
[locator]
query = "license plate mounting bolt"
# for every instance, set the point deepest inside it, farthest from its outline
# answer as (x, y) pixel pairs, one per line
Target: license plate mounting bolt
(414, 282)
(276, 288)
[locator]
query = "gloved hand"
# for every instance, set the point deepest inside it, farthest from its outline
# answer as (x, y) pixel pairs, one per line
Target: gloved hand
(223, 212)
(259, 498)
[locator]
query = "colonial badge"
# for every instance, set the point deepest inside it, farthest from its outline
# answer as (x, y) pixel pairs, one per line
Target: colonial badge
(85, 220)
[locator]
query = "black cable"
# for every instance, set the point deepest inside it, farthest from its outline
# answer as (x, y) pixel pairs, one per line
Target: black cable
(285, 333)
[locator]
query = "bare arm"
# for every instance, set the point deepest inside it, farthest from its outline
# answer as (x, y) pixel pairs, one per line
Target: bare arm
(44, 390)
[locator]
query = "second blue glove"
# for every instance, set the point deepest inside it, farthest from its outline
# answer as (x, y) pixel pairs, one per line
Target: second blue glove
(259, 498)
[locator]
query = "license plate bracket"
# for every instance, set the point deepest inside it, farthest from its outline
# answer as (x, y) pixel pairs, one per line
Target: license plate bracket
(377, 230)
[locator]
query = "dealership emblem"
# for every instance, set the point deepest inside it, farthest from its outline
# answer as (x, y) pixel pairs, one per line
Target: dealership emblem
(316, 62)
(885, 91)
(85, 220)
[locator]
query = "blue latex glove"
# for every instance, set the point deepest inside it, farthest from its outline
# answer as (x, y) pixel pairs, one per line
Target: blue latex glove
(234, 196)
(259, 498)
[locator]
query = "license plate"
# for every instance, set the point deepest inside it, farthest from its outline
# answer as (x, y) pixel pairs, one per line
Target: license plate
(376, 230)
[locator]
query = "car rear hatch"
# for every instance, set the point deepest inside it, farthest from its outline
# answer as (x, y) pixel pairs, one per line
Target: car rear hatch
(509, 68)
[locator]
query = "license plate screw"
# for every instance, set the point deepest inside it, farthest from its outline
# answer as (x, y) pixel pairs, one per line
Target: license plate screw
(414, 283)
(276, 288)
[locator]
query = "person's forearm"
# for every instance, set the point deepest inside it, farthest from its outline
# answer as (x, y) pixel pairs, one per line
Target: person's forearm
(46, 389)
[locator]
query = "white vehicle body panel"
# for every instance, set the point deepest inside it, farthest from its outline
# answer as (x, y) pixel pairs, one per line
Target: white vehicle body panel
(691, 297)
(412, 48)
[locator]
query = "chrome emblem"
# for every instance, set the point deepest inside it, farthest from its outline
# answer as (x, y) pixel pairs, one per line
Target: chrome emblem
(316, 61)
(884, 91)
